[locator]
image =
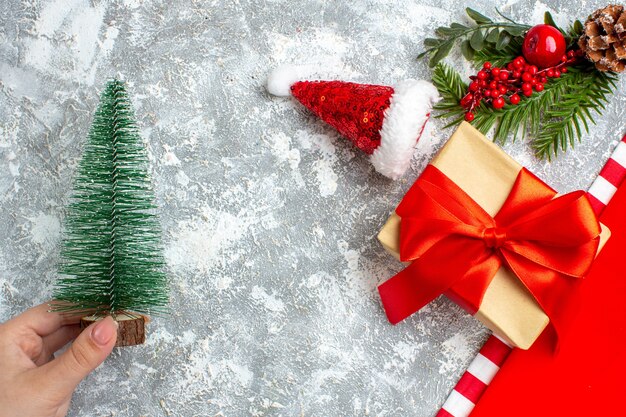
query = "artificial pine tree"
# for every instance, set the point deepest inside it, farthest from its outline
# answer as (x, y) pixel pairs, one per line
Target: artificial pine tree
(111, 259)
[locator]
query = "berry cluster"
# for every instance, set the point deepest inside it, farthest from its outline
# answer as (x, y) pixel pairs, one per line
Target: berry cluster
(494, 85)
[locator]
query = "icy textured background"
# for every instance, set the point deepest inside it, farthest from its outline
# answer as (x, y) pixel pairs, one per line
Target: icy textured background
(269, 217)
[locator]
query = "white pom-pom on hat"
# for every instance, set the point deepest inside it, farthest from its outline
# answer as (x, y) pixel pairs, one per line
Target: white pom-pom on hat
(280, 80)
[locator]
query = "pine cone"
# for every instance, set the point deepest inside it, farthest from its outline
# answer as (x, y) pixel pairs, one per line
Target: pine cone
(604, 40)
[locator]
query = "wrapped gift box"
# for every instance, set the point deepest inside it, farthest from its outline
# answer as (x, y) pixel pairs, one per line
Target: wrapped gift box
(487, 175)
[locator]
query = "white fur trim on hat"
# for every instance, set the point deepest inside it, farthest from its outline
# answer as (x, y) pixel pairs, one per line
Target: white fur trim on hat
(403, 122)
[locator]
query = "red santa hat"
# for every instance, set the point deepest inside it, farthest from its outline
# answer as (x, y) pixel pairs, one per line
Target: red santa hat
(384, 122)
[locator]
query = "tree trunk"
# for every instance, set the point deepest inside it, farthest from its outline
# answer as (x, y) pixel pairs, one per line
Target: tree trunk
(131, 330)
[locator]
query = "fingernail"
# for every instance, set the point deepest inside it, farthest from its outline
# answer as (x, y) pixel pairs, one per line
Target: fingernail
(103, 331)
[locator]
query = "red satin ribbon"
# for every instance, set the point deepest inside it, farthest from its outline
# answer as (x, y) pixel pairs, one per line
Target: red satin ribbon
(454, 244)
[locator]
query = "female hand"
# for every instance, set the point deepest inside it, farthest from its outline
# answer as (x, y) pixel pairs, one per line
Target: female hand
(33, 383)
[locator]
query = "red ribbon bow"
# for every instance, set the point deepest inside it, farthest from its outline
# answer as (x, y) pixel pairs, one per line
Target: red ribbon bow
(453, 243)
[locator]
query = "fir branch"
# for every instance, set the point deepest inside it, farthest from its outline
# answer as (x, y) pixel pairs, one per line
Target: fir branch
(483, 33)
(451, 88)
(524, 118)
(586, 90)
(111, 259)
(553, 120)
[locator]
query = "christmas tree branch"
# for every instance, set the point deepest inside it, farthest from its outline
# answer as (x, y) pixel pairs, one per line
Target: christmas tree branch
(524, 117)
(451, 88)
(587, 91)
(553, 119)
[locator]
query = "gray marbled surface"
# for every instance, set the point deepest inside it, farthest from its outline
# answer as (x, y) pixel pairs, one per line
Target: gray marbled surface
(269, 217)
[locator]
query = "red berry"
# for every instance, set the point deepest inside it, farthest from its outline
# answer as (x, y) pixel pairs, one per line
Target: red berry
(510, 66)
(564, 58)
(570, 54)
(502, 89)
(526, 76)
(514, 99)
(495, 93)
(544, 45)
(469, 116)
(517, 74)
(557, 73)
(543, 80)
(487, 65)
(495, 72)
(473, 86)
(504, 75)
(493, 85)
(482, 75)
(550, 73)
(482, 83)
(527, 87)
(467, 99)
(527, 93)
(533, 81)
(498, 103)
(533, 69)
(563, 70)
(487, 93)
(538, 87)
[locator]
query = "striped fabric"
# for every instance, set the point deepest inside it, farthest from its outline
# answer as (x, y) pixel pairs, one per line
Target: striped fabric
(485, 366)
(476, 378)
(610, 178)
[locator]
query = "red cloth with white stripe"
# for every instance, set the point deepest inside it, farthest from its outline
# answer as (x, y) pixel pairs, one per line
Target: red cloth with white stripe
(468, 391)
(476, 379)
(585, 377)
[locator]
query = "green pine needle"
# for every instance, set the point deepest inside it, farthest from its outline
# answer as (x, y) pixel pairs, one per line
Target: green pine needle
(585, 90)
(552, 120)
(451, 88)
(111, 258)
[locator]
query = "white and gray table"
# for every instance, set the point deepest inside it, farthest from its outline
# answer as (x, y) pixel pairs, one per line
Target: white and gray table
(269, 217)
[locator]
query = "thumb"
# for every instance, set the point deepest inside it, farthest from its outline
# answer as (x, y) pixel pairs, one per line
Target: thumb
(85, 354)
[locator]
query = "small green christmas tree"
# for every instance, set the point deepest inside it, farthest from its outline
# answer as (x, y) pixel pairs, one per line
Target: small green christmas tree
(111, 258)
